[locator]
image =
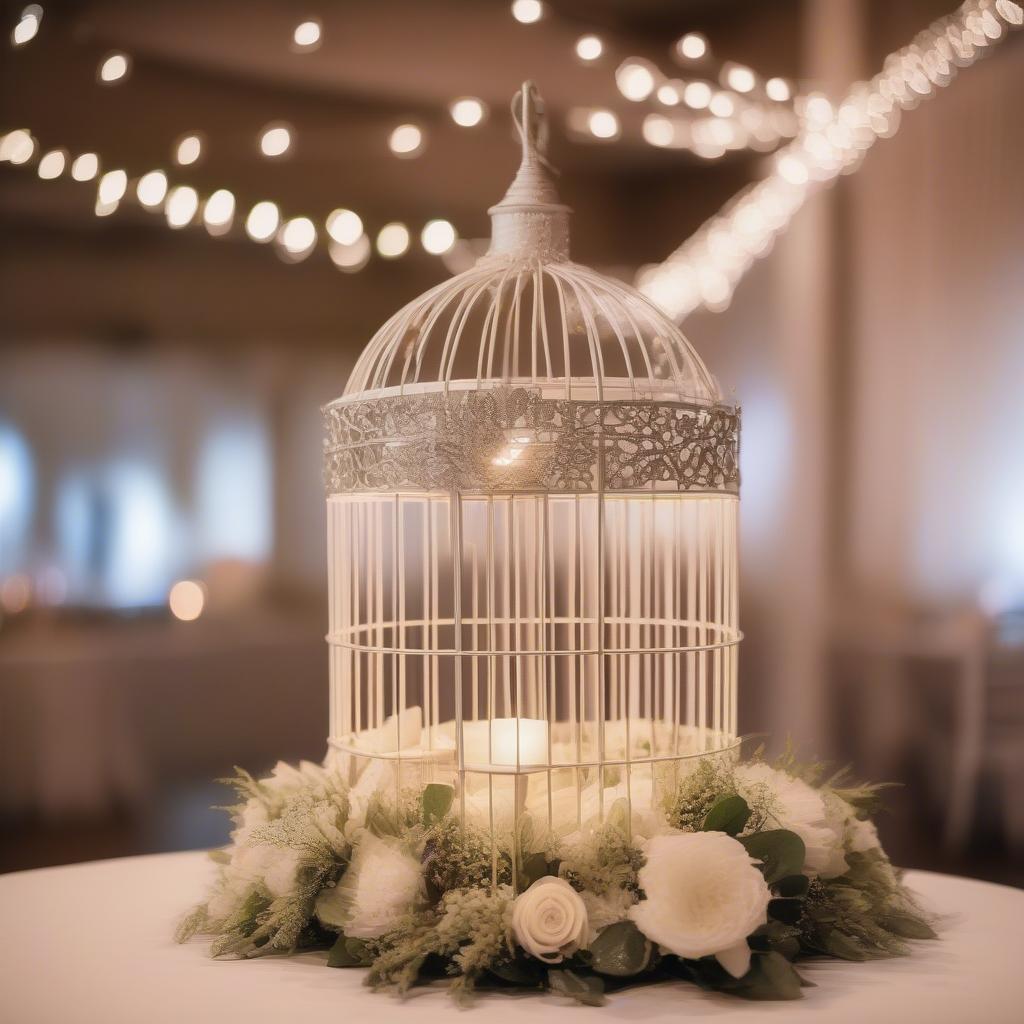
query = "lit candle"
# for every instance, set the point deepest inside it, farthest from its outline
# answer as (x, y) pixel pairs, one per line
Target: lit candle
(513, 741)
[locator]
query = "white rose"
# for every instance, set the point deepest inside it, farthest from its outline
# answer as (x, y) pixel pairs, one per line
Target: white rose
(383, 883)
(802, 809)
(549, 920)
(704, 897)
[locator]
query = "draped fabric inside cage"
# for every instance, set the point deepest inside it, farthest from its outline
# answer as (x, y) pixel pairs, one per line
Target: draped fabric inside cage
(532, 524)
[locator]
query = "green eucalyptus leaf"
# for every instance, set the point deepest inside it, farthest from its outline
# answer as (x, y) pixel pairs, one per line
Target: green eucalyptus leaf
(771, 976)
(729, 815)
(780, 851)
(348, 952)
(437, 801)
(584, 988)
(792, 885)
(620, 950)
(906, 926)
(844, 947)
(534, 868)
(786, 910)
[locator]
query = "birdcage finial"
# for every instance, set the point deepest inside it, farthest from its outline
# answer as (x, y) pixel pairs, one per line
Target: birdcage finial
(531, 220)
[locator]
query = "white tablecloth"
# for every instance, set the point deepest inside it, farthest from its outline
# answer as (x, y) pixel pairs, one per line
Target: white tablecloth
(91, 944)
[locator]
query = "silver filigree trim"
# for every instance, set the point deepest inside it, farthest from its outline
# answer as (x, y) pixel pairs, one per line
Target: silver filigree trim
(513, 439)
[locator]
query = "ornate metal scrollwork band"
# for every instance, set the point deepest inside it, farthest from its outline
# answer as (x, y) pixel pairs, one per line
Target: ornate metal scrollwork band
(513, 439)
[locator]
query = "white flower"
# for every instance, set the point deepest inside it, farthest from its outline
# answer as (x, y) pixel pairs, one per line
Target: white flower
(861, 835)
(549, 920)
(704, 897)
(802, 809)
(383, 883)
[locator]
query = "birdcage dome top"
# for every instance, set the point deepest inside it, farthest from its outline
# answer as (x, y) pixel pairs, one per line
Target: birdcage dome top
(531, 372)
(525, 315)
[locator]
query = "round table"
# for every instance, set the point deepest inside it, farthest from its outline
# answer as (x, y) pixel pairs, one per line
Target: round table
(92, 943)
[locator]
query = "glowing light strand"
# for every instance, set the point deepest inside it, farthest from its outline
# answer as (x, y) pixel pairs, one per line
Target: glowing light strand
(705, 270)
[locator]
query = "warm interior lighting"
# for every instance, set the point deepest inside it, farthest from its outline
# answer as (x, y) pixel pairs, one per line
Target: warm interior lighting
(658, 130)
(438, 237)
(692, 46)
(261, 224)
(114, 67)
(52, 164)
(85, 167)
(152, 188)
(27, 26)
(186, 600)
(188, 150)
(112, 187)
(181, 207)
(344, 226)
(17, 146)
(635, 79)
(722, 105)
(219, 211)
(740, 78)
(275, 140)
(589, 48)
(670, 93)
(527, 11)
(15, 593)
(468, 111)
(406, 140)
(298, 236)
(307, 34)
(697, 95)
(350, 258)
(792, 169)
(603, 124)
(777, 89)
(393, 240)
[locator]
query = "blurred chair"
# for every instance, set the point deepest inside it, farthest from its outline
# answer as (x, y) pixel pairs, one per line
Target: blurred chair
(986, 732)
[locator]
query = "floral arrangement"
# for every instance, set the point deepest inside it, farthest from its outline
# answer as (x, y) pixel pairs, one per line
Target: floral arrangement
(747, 868)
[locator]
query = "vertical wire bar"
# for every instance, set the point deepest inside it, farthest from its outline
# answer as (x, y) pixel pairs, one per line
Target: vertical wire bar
(455, 531)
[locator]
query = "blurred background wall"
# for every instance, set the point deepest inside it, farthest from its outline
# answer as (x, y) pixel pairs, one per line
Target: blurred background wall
(160, 390)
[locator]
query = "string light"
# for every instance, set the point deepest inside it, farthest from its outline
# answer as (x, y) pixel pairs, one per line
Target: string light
(350, 258)
(219, 212)
(275, 140)
(114, 68)
(181, 206)
(739, 77)
(589, 48)
(85, 167)
(777, 89)
(527, 11)
(307, 35)
(393, 240)
(406, 140)
(722, 105)
(188, 150)
(186, 600)
(468, 111)
(297, 238)
(152, 188)
(636, 79)
(692, 46)
(704, 271)
(658, 130)
(261, 224)
(17, 146)
(112, 187)
(603, 124)
(52, 164)
(28, 25)
(697, 95)
(670, 94)
(344, 226)
(438, 237)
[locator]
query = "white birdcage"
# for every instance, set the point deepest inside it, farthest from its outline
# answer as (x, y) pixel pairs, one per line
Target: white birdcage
(532, 525)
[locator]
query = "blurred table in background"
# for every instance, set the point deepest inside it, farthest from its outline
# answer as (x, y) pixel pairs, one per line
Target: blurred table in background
(97, 715)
